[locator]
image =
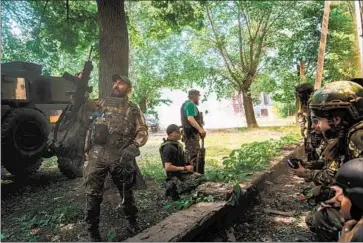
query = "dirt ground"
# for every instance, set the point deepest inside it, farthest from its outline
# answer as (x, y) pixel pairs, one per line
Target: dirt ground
(48, 207)
(283, 195)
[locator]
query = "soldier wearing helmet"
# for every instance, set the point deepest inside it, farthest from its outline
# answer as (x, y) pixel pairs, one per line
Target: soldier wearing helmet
(313, 137)
(338, 107)
(349, 197)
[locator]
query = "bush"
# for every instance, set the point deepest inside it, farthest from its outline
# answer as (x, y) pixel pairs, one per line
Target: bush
(250, 157)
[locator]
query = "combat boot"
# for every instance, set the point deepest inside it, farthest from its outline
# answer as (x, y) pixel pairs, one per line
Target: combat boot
(171, 191)
(132, 226)
(94, 234)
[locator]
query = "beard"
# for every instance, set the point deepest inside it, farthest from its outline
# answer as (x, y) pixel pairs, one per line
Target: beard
(118, 93)
(196, 102)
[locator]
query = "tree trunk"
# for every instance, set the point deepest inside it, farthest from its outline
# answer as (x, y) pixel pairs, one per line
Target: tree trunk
(249, 112)
(114, 43)
(143, 105)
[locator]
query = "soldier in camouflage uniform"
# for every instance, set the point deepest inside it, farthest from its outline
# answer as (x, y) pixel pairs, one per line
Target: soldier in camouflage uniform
(191, 121)
(179, 172)
(112, 143)
(339, 108)
(303, 92)
(313, 137)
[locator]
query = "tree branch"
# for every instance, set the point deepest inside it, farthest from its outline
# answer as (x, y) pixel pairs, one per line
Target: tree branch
(219, 45)
(240, 40)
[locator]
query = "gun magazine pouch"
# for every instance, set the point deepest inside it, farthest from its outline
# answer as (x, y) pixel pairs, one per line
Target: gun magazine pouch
(100, 134)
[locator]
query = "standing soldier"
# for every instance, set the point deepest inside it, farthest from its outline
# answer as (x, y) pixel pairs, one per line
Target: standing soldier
(191, 121)
(112, 143)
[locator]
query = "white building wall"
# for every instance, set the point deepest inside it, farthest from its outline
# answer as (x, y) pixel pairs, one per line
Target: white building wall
(220, 113)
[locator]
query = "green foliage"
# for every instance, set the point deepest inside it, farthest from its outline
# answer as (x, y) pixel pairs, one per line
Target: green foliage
(111, 236)
(249, 158)
(154, 171)
(61, 215)
(187, 200)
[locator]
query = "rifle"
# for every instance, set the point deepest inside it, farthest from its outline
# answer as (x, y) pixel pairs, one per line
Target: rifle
(82, 87)
(325, 193)
(201, 159)
(81, 84)
(312, 165)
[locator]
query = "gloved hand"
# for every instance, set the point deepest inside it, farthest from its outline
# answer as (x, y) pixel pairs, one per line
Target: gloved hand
(131, 151)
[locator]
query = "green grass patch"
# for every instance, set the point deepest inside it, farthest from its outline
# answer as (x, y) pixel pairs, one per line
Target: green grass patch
(52, 219)
(247, 151)
(248, 158)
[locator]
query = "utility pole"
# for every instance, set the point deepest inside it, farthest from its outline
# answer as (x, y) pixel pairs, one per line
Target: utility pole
(359, 20)
(321, 55)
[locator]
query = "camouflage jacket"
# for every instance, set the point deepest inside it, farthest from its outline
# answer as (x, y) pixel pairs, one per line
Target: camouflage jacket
(124, 121)
(355, 141)
(333, 160)
(326, 175)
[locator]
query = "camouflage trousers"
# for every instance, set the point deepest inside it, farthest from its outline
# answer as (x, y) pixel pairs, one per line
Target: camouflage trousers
(192, 149)
(98, 164)
(186, 182)
(326, 223)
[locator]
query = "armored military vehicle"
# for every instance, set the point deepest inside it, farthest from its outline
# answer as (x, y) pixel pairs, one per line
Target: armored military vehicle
(30, 104)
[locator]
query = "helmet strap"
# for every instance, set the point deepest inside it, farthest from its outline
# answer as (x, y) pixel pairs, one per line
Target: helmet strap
(356, 212)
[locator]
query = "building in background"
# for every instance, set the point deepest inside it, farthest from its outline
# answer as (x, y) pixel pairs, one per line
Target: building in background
(224, 113)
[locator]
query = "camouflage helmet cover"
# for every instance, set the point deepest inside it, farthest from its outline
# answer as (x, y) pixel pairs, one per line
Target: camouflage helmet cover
(339, 95)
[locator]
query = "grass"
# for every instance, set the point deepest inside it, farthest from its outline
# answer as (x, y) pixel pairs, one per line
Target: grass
(221, 144)
(254, 148)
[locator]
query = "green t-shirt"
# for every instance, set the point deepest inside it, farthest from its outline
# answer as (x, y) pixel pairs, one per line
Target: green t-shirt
(190, 109)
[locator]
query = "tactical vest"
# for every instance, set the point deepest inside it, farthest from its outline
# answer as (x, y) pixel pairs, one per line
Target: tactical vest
(355, 141)
(116, 126)
(188, 129)
(179, 147)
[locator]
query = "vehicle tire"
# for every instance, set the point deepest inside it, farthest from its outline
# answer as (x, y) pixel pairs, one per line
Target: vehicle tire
(71, 168)
(23, 168)
(24, 131)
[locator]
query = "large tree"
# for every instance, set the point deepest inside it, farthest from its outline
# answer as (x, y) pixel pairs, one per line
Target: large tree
(236, 41)
(113, 42)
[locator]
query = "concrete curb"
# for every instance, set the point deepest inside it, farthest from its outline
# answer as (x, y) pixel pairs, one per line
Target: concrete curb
(185, 225)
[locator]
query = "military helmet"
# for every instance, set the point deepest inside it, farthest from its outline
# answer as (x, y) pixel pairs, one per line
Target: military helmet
(350, 178)
(336, 96)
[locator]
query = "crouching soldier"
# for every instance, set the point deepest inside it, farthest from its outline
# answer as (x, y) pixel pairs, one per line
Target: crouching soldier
(180, 175)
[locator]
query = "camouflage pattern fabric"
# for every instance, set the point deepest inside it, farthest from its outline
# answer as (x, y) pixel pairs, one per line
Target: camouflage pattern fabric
(126, 126)
(192, 149)
(355, 141)
(326, 223)
(325, 176)
(301, 119)
(339, 95)
(186, 182)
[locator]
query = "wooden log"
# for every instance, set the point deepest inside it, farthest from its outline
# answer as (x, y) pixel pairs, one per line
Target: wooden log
(182, 225)
(185, 225)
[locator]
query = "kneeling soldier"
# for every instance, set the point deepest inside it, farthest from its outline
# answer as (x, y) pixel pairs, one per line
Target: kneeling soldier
(180, 175)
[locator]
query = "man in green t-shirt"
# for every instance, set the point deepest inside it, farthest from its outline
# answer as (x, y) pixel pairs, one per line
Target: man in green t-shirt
(191, 121)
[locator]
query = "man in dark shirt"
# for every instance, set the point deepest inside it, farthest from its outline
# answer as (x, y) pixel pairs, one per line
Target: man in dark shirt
(180, 175)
